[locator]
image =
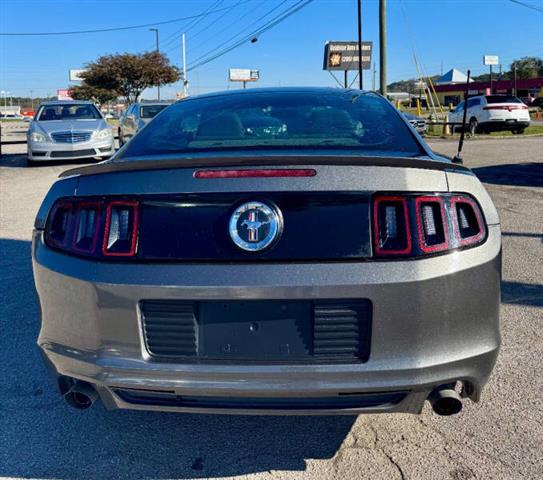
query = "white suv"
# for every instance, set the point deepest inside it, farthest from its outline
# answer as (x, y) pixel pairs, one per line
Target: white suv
(487, 113)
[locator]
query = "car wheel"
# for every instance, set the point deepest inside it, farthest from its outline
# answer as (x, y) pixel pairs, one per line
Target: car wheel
(520, 131)
(473, 125)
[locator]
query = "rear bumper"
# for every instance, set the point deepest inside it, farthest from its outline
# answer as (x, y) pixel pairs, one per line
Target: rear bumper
(505, 124)
(435, 321)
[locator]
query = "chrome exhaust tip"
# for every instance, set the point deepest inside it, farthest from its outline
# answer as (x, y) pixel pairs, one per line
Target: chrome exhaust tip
(445, 401)
(81, 395)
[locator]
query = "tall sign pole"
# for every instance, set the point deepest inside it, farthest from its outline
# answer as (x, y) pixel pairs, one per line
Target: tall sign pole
(158, 50)
(360, 80)
(383, 47)
(184, 53)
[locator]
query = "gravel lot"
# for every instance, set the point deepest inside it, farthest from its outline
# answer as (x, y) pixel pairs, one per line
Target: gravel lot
(501, 437)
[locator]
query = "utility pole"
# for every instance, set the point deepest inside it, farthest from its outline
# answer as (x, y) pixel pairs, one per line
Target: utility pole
(490, 79)
(158, 50)
(360, 79)
(184, 53)
(515, 79)
(345, 79)
(32, 98)
(382, 48)
(374, 72)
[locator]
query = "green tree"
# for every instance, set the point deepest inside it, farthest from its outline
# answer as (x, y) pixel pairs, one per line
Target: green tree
(528, 67)
(95, 94)
(127, 75)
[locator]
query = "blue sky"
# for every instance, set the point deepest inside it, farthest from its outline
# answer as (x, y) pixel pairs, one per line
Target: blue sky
(455, 33)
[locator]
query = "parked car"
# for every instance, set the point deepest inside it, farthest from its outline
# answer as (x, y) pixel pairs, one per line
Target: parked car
(136, 117)
(538, 102)
(488, 113)
(68, 130)
(420, 124)
(270, 251)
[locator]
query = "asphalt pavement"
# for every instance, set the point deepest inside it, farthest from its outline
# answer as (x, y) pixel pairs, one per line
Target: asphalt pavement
(499, 438)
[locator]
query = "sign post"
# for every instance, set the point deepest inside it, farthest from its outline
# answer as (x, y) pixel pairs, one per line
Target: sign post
(491, 60)
(243, 75)
(345, 56)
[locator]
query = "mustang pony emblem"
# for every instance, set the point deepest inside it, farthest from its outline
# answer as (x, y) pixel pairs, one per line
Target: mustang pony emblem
(255, 225)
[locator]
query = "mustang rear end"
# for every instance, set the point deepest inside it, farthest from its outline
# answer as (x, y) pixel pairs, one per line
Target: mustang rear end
(296, 280)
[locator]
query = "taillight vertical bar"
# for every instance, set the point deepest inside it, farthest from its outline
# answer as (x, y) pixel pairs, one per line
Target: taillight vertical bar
(380, 251)
(87, 206)
(420, 224)
(456, 199)
(134, 205)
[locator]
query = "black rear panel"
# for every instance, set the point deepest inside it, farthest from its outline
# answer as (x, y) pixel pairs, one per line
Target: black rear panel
(284, 331)
(317, 226)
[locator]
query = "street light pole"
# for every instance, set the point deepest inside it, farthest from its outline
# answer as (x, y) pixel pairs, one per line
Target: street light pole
(360, 80)
(185, 81)
(382, 48)
(158, 50)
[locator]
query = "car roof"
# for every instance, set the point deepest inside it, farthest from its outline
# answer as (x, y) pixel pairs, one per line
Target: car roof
(66, 102)
(259, 90)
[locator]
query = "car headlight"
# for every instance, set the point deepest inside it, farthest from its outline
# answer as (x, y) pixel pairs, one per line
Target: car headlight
(38, 137)
(105, 133)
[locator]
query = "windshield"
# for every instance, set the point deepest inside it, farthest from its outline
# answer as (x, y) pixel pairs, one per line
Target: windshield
(68, 112)
(502, 99)
(272, 120)
(149, 111)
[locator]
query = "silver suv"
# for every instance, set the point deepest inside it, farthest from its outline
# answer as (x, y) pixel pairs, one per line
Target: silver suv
(68, 130)
(136, 117)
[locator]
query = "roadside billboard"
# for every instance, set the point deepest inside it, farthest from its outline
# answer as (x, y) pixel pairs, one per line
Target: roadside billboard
(344, 55)
(243, 75)
(75, 75)
(491, 60)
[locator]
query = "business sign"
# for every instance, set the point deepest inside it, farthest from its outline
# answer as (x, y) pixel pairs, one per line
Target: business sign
(491, 60)
(64, 94)
(75, 75)
(344, 55)
(243, 75)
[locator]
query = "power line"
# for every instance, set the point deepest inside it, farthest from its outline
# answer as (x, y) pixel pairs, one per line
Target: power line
(264, 28)
(527, 5)
(115, 29)
(174, 36)
(208, 39)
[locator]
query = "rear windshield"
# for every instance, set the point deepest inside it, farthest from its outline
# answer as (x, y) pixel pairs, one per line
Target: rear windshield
(277, 120)
(502, 99)
(149, 111)
(68, 112)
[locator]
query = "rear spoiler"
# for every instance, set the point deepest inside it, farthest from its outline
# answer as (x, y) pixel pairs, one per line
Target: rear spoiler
(145, 164)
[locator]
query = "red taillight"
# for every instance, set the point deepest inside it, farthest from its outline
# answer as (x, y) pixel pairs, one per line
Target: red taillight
(121, 230)
(415, 225)
(391, 229)
(95, 228)
(256, 173)
(467, 220)
(433, 233)
(505, 107)
(87, 224)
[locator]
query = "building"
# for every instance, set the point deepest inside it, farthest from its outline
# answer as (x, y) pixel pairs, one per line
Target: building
(450, 87)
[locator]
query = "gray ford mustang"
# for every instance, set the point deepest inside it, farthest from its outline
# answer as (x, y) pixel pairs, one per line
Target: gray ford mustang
(270, 251)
